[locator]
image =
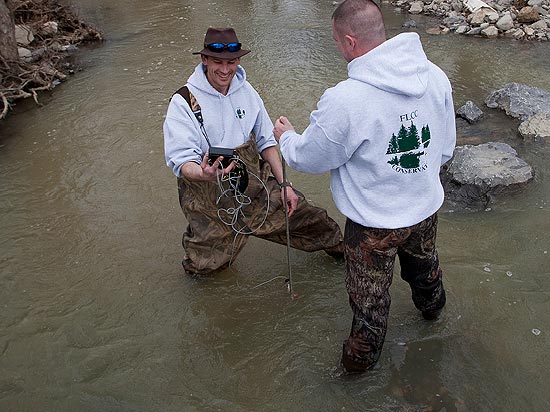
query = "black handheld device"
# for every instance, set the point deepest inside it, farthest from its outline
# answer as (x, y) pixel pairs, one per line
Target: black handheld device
(215, 152)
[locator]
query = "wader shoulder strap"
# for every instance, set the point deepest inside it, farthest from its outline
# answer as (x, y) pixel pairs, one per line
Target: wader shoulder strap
(192, 102)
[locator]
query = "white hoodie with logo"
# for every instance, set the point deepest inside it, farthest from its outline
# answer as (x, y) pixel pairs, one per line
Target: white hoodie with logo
(383, 133)
(228, 120)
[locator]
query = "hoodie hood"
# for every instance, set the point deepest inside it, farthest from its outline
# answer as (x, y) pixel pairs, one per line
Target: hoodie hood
(399, 65)
(198, 79)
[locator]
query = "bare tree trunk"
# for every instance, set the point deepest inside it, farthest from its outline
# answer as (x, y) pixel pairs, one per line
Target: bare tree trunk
(8, 46)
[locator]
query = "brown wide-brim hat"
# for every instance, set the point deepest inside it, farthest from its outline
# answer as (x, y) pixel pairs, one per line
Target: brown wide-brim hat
(224, 36)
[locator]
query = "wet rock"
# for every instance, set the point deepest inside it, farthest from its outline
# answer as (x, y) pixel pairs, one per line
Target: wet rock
(470, 112)
(478, 175)
(537, 127)
(519, 100)
(528, 15)
(410, 24)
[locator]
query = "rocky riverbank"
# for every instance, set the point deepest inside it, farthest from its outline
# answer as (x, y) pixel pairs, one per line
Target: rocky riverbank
(46, 32)
(517, 19)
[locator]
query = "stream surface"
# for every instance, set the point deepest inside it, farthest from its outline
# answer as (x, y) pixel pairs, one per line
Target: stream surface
(97, 314)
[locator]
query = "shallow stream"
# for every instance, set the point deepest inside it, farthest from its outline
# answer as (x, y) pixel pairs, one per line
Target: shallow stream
(98, 316)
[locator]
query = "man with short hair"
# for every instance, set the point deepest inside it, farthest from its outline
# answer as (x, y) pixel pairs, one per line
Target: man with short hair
(225, 202)
(383, 133)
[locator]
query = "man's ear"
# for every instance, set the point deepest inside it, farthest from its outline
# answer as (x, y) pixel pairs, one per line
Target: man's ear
(350, 41)
(204, 59)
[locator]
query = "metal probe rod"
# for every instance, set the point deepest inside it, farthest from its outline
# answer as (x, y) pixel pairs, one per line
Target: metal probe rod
(284, 185)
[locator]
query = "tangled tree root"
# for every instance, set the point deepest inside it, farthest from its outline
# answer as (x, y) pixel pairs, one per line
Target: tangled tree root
(46, 67)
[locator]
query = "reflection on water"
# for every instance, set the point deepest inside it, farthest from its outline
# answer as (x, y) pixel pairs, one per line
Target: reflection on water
(97, 314)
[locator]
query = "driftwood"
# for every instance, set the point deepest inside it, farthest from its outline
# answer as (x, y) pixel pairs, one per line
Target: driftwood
(46, 68)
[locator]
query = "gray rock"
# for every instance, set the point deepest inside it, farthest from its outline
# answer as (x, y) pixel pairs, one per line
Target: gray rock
(477, 17)
(519, 100)
(490, 32)
(453, 21)
(470, 112)
(474, 31)
(537, 127)
(409, 24)
(457, 5)
(416, 7)
(518, 34)
(23, 35)
(529, 31)
(24, 54)
(539, 25)
(477, 175)
(505, 22)
(493, 17)
(462, 29)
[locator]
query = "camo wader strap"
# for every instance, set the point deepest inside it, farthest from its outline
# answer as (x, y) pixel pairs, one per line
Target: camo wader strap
(192, 102)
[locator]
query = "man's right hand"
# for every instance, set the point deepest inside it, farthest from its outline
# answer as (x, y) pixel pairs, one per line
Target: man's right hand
(282, 124)
(210, 172)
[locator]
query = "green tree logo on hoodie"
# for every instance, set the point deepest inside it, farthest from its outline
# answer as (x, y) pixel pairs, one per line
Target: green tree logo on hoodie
(408, 147)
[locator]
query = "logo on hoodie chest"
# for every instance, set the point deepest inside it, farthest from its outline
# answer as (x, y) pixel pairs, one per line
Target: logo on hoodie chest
(240, 113)
(407, 149)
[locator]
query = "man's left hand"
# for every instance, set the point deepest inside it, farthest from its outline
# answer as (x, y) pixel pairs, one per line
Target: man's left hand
(291, 199)
(282, 124)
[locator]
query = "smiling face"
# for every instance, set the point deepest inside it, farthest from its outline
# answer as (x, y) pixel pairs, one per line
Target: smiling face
(220, 72)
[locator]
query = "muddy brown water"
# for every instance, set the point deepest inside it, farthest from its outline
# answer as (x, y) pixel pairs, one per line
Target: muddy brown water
(97, 315)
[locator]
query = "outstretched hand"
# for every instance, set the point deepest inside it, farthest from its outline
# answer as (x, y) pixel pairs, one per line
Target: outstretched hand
(282, 124)
(211, 172)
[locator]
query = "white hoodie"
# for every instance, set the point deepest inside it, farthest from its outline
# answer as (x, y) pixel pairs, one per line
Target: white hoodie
(383, 133)
(228, 120)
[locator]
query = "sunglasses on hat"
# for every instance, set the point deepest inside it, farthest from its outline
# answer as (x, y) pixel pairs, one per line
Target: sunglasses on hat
(220, 47)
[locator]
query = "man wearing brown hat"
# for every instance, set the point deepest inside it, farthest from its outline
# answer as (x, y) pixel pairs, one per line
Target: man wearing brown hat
(215, 127)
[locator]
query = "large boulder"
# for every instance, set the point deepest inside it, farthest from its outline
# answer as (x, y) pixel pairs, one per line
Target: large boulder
(537, 127)
(478, 175)
(519, 100)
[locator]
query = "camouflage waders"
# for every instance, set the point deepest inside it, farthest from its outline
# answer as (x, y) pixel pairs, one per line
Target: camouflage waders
(210, 244)
(370, 256)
